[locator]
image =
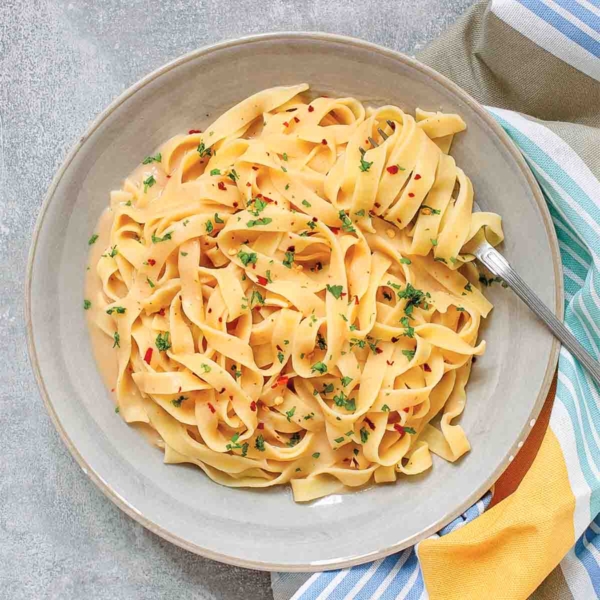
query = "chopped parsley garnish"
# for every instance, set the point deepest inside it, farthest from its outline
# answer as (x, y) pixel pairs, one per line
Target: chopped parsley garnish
(287, 186)
(209, 226)
(413, 296)
(120, 310)
(339, 440)
(321, 342)
(460, 309)
(289, 259)
(346, 222)
(453, 260)
(346, 381)
(311, 224)
(218, 219)
(319, 367)
(335, 290)
(117, 409)
(469, 287)
(316, 454)
(410, 354)
(150, 283)
(256, 298)
(255, 222)
(409, 430)
(185, 223)
(405, 261)
(360, 213)
(206, 368)
(87, 305)
(357, 342)
(162, 341)
(433, 242)
(93, 239)
(280, 357)
(184, 253)
(151, 159)
(364, 435)
(294, 440)
(259, 444)
(117, 339)
(164, 238)
(203, 150)
(342, 400)
(440, 259)
(215, 172)
(408, 330)
(259, 206)
(364, 165)
(385, 408)
(284, 169)
(327, 388)
(285, 156)
(247, 258)
(306, 203)
(233, 175)
(290, 413)
(179, 400)
(113, 252)
(148, 183)
(268, 274)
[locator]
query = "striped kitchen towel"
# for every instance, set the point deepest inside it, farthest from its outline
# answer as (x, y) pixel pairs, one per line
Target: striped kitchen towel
(536, 65)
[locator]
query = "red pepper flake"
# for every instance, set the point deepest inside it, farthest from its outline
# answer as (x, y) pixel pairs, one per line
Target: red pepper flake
(335, 230)
(315, 219)
(356, 300)
(427, 368)
(179, 389)
(221, 186)
(253, 406)
(394, 340)
(378, 350)
(148, 356)
(343, 294)
(393, 125)
(297, 119)
(248, 184)
(411, 195)
(212, 409)
(311, 108)
(210, 310)
(399, 429)
(324, 142)
(255, 168)
(267, 200)
(168, 177)
(389, 362)
(286, 123)
(292, 249)
(260, 426)
(377, 205)
(194, 131)
(369, 423)
(161, 312)
(281, 380)
(220, 319)
(417, 176)
(222, 391)
(393, 169)
(235, 205)
(151, 262)
(262, 280)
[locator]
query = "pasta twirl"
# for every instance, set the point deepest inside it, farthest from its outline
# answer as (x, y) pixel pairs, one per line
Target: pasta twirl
(285, 307)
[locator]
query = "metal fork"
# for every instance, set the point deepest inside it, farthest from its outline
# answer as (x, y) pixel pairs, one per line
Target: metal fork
(501, 268)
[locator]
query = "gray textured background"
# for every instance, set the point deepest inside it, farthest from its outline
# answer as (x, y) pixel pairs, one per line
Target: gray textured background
(61, 63)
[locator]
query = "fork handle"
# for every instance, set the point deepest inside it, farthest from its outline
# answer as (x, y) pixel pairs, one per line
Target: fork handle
(500, 267)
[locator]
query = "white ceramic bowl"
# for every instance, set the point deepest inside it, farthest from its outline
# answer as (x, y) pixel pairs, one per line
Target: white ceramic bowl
(265, 529)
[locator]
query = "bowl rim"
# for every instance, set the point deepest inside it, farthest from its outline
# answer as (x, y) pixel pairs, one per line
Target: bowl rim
(518, 159)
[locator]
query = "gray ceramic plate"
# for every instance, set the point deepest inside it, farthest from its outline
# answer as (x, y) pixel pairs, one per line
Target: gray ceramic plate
(265, 529)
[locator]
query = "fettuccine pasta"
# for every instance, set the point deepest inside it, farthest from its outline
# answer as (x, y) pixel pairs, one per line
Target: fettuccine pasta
(289, 303)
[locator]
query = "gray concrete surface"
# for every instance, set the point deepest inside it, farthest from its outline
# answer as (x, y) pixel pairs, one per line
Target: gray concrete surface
(61, 63)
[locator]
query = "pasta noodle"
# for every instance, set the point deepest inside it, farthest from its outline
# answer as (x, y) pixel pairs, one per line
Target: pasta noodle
(284, 308)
